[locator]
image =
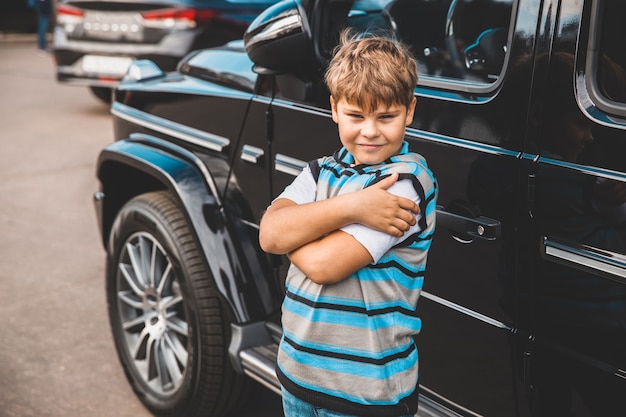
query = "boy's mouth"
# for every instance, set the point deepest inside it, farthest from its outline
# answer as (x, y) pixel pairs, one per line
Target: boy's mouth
(369, 146)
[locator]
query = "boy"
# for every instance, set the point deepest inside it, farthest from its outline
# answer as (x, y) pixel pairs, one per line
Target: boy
(357, 227)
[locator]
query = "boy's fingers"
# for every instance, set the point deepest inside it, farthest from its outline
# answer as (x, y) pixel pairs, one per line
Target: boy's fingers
(387, 182)
(395, 232)
(404, 203)
(411, 220)
(409, 205)
(401, 228)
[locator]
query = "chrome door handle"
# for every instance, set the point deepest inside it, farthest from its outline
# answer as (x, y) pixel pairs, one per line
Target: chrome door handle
(469, 228)
(289, 165)
(252, 154)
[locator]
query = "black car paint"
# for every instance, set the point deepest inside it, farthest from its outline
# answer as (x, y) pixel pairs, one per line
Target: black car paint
(490, 344)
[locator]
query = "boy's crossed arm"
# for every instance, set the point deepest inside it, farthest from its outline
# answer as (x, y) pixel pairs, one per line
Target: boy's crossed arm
(309, 233)
(332, 258)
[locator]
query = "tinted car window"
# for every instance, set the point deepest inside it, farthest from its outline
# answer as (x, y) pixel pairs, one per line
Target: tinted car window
(453, 40)
(611, 72)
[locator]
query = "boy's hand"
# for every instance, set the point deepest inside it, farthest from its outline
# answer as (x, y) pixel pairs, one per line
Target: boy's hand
(376, 208)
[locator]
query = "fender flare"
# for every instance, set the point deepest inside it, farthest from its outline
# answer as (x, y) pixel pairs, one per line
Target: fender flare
(159, 164)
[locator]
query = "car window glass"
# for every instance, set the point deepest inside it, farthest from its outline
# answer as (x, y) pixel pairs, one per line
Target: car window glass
(611, 65)
(453, 40)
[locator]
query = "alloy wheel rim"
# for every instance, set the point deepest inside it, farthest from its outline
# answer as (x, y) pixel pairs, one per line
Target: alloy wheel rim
(152, 314)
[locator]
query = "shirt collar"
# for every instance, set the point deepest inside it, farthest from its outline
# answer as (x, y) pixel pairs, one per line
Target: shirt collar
(345, 158)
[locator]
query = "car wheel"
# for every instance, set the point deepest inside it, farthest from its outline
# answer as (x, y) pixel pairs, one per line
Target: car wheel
(169, 326)
(102, 93)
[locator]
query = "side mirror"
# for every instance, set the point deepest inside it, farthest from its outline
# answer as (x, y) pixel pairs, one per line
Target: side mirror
(278, 39)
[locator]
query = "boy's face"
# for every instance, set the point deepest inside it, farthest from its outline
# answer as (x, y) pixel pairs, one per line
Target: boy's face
(371, 136)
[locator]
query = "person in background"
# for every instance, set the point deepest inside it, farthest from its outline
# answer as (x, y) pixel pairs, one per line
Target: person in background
(44, 11)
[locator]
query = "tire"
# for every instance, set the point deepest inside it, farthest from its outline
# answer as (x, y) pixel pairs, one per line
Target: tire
(170, 329)
(102, 93)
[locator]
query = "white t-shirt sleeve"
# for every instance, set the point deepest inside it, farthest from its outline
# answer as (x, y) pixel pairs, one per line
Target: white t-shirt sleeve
(302, 189)
(376, 242)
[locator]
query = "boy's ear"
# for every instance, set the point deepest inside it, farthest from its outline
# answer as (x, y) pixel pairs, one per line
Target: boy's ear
(333, 109)
(410, 112)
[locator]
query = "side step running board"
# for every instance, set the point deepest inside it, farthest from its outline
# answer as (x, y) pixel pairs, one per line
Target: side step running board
(253, 350)
(259, 362)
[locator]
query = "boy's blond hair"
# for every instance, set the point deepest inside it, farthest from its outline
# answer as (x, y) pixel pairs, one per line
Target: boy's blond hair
(369, 71)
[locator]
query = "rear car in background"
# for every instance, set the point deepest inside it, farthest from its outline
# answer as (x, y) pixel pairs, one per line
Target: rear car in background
(96, 41)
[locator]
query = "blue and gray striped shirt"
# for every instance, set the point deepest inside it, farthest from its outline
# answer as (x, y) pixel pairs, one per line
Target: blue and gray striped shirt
(349, 346)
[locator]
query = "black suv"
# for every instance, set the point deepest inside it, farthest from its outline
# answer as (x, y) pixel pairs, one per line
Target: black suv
(521, 114)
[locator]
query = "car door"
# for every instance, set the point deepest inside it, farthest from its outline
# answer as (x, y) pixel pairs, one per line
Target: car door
(469, 307)
(577, 284)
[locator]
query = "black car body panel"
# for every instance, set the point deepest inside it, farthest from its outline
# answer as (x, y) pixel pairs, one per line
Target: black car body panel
(521, 115)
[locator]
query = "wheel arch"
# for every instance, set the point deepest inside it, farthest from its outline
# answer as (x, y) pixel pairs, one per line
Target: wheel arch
(143, 163)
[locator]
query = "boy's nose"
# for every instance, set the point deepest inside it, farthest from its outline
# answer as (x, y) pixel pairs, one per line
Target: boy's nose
(369, 129)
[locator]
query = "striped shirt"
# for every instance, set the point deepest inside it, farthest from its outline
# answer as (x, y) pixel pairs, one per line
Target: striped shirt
(349, 346)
